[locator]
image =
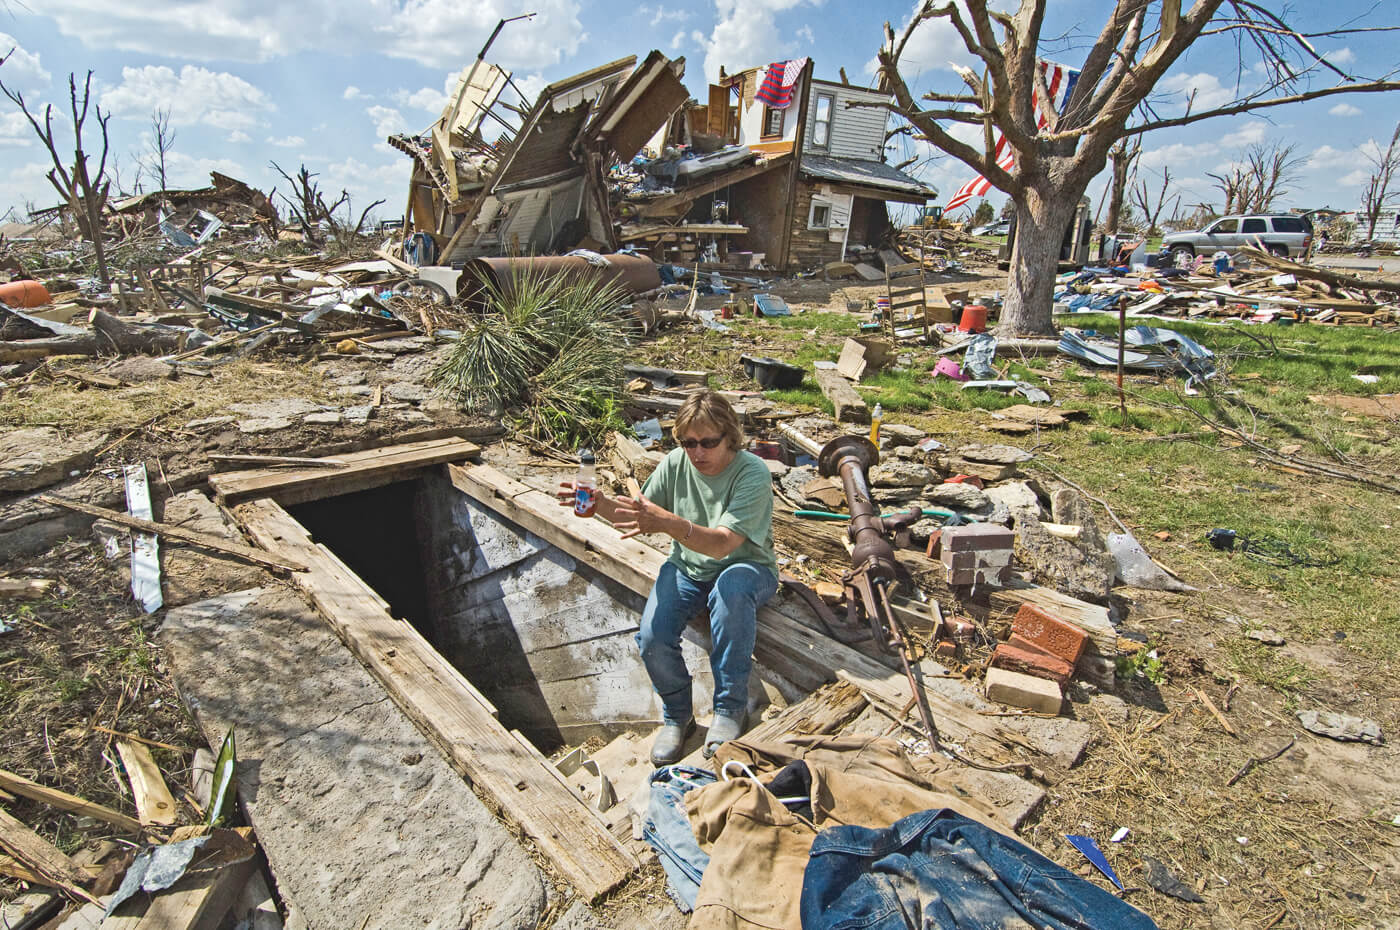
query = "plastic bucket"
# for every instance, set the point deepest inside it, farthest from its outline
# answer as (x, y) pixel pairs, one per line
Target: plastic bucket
(974, 319)
(949, 369)
(24, 294)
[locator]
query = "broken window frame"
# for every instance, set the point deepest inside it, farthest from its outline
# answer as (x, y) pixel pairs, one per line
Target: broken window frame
(816, 222)
(820, 124)
(495, 230)
(768, 113)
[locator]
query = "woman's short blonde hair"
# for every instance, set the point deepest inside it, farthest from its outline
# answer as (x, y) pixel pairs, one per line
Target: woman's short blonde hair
(710, 407)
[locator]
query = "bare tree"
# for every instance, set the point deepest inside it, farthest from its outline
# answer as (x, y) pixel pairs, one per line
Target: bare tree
(1254, 184)
(83, 190)
(1236, 183)
(310, 211)
(162, 141)
(1124, 156)
(1153, 204)
(1377, 194)
(1057, 153)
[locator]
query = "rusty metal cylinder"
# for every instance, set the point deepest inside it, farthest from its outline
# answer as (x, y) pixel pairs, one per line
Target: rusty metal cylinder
(852, 457)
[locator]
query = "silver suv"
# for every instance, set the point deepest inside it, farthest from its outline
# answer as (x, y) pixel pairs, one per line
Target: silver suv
(1279, 233)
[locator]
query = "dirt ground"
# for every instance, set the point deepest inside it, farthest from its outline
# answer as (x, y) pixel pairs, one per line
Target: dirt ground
(1307, 839)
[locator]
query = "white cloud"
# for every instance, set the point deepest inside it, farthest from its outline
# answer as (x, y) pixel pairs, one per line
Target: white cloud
(187, 171)
(15, 131)
(194, 96)
(805, 34)
(1175, 155)
(746, 35)
(1327, 157)
(26, 183)
(1355, 178)
(238, 136)
(352, 93)
(436, 33)
(425, 98)
(22, 71)
(677, 40)
(1250, 133)
(387, 120)
(1206, 88)
(286, 142)
(1342, 56)
(1345, 109)
(661, 14)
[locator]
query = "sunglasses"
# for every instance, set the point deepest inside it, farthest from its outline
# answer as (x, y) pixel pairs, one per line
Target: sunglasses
(708, 442)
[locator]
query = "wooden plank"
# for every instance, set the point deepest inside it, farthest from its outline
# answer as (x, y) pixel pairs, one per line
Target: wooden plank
(450, 712)
(198, 901)
(154, 803)
(25, 589)
(274, 461)
(361, 471)
(22, 786)
(199, 540)
(850, 407)
(39, 856)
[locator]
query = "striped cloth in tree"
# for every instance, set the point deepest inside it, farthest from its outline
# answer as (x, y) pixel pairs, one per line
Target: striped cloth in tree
(1059, 80)
(778, 83)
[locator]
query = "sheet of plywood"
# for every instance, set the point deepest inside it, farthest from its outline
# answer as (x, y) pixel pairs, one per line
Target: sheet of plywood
(361, 470)
(448, 710)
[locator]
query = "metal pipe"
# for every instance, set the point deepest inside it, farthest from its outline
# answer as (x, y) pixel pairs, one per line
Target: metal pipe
(851, 457)
(798, 438)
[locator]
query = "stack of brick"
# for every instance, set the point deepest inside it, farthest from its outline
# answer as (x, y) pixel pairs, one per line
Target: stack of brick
(1032, 668)
(977, 554)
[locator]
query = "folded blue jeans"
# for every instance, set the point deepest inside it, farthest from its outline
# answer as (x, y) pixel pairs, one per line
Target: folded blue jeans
(939, 870)
(733, 599)
(668, 831)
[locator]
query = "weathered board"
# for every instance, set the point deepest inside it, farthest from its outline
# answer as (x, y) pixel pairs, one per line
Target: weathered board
(361, 471)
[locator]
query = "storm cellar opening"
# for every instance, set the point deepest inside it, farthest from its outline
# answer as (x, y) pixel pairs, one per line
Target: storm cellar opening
(548, 640)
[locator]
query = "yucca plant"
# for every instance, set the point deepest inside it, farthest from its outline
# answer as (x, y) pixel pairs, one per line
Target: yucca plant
(548, 353)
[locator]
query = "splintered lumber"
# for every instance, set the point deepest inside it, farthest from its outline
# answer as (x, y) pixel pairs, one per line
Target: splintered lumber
(360, 471)
(25, 589)
(275, 461)
(850, 407)
(154, 802)
(201, 897)
(18, 784)
(449, 711)
(42, 858)
(199, 540)
(1318, 274)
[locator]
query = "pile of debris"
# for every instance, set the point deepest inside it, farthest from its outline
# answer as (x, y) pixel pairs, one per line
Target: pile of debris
(1215, 288)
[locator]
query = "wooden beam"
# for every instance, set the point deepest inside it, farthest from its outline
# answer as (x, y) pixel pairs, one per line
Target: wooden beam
(198, 901)
(42, 858)
(22, 786)
(361, 471)
(154, 803)
(200, 540)
(850, 407)
(25, 589)
(449, 711)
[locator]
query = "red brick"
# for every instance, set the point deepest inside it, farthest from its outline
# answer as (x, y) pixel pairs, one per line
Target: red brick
(977, 537)
(1032, 662)
(1050, 634)
(945, 650)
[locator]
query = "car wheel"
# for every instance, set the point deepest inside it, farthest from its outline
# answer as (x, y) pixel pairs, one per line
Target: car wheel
(1182, 253)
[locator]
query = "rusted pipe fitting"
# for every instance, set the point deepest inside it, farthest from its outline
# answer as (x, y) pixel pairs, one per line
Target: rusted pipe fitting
(851, 457)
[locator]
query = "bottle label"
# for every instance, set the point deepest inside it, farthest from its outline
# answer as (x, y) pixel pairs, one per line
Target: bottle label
(585, 501)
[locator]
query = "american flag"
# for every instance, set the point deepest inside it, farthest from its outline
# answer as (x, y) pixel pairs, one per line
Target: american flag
(1060, 81)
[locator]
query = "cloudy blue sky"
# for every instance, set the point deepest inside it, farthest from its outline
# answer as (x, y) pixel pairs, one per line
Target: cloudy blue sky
(323, 82)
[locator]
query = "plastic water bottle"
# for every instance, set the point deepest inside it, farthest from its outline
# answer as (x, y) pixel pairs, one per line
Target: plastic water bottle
(876, 416)
(585, 485)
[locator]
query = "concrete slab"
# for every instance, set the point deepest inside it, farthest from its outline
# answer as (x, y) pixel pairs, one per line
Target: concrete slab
(363, 822)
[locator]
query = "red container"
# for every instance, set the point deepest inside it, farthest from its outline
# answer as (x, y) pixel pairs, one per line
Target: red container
(973, 319)
(24, 294)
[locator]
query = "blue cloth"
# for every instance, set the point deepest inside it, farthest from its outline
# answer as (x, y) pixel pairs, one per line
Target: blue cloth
(941, 871)
(733, 599)
(668, 831)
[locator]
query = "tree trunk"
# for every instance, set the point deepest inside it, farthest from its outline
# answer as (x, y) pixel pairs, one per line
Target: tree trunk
(1035, 255)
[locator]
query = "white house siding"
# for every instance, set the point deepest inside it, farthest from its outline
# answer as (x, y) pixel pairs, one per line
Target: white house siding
(858, 132)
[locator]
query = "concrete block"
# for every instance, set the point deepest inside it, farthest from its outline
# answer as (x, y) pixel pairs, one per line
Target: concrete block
(1019, 690)
(1050, 633)
(1032, 661)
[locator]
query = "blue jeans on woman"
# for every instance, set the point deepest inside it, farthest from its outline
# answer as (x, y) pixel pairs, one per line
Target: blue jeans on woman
(733, 599)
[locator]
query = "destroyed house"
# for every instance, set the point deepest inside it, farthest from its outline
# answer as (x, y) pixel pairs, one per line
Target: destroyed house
(618, 157)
